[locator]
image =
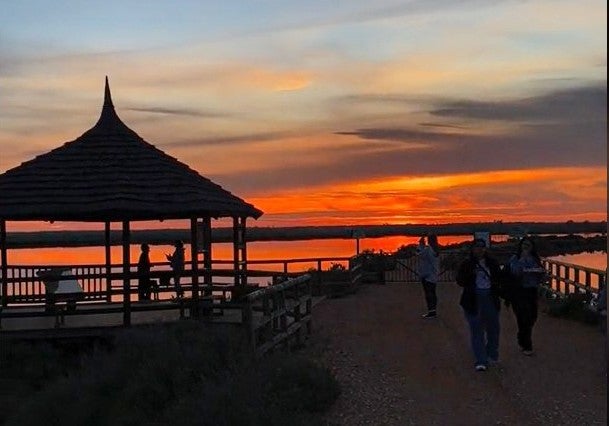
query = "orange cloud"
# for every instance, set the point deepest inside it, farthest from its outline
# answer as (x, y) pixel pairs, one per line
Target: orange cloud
(537, 194)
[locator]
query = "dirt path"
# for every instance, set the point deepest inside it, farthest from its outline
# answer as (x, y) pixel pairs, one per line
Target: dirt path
(397, 369)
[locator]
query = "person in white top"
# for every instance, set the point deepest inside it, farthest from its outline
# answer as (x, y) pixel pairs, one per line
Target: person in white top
(429, 262)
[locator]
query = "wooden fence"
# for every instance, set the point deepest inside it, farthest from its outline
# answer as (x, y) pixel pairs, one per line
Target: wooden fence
(286, 314)
(567, 278)
(407, 267)
(24, 286)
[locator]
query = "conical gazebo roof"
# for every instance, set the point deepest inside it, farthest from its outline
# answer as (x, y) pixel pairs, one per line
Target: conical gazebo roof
(111, 174)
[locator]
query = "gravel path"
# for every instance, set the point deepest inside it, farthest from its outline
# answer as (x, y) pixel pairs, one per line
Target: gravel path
(397, 369)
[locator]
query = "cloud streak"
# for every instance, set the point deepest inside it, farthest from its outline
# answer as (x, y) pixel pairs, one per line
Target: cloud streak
(230, 140)
(178, 111)
(582, 103)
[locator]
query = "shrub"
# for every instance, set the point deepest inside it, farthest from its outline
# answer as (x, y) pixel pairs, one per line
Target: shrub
(336, 267)
(575, 306)
(184, 373)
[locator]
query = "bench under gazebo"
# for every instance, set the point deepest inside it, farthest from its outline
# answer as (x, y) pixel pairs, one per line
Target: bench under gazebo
(111, 175)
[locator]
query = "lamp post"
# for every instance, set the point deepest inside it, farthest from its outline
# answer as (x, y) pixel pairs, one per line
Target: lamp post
(357, 234)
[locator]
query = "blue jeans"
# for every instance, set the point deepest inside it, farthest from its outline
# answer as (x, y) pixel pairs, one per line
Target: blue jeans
(484, 329)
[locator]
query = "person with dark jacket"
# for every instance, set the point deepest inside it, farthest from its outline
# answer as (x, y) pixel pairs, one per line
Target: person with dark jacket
(143, 274)
(525, 266)
(176, 261)
(479, 275)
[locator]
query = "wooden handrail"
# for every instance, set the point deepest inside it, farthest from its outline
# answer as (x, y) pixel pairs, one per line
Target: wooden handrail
(278, 287)
(573, 265)
(570, 282)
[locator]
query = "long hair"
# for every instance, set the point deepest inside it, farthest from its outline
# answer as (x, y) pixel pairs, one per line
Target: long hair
(533, 249)
(432, 240)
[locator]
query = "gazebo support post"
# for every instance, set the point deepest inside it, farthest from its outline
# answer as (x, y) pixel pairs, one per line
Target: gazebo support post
(239, 251)
(108, 262)
(126, 275)
(243, 250)
(236, 251)
(207, 256)
(194, 259)
(4, 263)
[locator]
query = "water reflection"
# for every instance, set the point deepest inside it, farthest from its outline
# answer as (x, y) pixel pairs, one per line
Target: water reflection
(260, 250)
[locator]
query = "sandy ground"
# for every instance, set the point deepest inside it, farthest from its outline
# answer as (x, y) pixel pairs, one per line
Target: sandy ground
(396, 368)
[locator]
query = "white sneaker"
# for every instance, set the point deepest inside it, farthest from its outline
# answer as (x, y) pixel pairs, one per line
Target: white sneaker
(493, 361)
(480, 367)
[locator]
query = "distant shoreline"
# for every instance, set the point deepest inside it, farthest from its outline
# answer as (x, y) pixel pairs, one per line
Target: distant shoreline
(50, 239)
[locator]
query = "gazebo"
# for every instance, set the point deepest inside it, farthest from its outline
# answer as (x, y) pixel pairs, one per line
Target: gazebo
(110, 174)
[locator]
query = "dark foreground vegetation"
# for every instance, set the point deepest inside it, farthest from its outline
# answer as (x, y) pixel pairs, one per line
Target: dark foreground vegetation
(180, 374)
(575, 306)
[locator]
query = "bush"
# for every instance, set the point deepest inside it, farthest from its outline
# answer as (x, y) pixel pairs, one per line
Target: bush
(574, 306)
(299, 384)
(337, 267)
(185, 373)
(277, 391)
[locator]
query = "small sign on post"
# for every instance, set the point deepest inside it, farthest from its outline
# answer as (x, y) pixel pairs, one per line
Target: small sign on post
(357, 234)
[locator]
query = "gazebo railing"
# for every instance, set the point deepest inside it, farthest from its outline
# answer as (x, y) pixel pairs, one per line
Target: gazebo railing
(25, 286)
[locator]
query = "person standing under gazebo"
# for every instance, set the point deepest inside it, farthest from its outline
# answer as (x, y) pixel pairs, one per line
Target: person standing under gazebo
(143, 273)
(176, 260)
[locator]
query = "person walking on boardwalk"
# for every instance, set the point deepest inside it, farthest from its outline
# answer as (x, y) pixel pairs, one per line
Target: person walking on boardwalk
(143, 274)
(176, 260)
(479, 276)
(429, 260)
(526, 268)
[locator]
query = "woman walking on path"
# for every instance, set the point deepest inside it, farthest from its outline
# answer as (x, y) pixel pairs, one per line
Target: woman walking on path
(429, 260)
(526, 267)
(176, 260)
(479, 276)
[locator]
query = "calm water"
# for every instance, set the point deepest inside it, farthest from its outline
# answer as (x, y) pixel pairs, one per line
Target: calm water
(258, 251)
(597, 259)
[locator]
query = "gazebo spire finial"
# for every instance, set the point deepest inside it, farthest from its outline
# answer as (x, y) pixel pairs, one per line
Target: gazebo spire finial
(107, 96)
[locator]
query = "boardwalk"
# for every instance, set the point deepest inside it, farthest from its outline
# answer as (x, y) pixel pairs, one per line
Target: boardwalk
(398, 369)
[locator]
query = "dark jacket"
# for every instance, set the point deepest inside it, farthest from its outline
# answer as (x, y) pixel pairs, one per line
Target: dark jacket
(143, 266)
(466, 278)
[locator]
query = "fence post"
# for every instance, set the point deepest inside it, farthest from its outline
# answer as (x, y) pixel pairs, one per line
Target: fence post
(247, 318)
(297, 321)
(308, 309)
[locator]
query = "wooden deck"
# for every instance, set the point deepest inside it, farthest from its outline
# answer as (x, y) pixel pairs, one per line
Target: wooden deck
(157, 312)
(279, 315)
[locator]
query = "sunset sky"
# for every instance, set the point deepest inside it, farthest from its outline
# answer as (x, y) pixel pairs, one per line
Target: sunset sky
(324, 112)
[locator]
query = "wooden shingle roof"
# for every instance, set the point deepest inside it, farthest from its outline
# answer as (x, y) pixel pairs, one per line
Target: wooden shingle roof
(112, 174)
